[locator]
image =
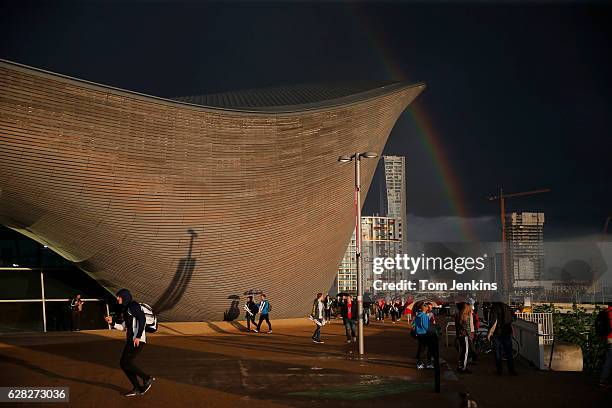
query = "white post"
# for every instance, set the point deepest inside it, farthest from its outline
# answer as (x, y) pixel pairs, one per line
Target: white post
(108, 314)
(42, 296)
(358, 251)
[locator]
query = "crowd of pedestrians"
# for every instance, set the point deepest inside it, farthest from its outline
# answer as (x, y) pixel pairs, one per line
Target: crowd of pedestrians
(494, 319)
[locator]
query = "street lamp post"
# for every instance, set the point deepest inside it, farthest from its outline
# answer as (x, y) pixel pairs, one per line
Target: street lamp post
(357, 158)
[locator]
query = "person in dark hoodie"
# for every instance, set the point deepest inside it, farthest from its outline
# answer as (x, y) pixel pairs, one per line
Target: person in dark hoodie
(251, 311)
(134, 323)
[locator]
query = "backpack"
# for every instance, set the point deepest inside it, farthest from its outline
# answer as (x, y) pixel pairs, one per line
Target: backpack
(150, 318)
(602, 324)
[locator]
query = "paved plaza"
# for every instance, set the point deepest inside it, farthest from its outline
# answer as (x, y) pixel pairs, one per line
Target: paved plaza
(220, 365)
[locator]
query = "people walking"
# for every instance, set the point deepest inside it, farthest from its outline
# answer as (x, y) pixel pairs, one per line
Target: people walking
(421, 328)
(462, 329)
(76, 309)
(251, 312)
(350, 314)
(264, 311)
(133, 322)
(317, 314)
(500, 329)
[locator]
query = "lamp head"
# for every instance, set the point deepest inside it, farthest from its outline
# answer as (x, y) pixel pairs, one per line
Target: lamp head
(369, 155)
(344, 159)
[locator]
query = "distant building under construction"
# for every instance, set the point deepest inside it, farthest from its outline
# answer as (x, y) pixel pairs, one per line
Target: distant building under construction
(525, 238)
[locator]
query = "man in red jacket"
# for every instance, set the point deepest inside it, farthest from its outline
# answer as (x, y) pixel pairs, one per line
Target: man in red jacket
(349, 313)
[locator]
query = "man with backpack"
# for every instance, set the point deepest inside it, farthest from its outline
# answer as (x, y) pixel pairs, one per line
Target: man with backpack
(604, 329)
(134, 322)
(500, 328)
(422, 332)
(264, 310)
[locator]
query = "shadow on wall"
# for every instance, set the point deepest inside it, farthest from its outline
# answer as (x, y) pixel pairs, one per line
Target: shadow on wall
(177, 287)
(233, 312)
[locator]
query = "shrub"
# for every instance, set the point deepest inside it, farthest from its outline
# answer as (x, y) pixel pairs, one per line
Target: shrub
(578, 327)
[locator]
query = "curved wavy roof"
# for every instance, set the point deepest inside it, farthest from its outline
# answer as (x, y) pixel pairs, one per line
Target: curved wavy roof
(305, 96)
(286, 99)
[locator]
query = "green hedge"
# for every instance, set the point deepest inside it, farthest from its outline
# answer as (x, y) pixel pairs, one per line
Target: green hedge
(578, 327)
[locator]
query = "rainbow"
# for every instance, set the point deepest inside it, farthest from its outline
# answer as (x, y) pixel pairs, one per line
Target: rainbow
(423, 126)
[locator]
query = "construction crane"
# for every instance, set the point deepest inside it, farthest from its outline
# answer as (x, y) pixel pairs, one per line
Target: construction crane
(502, 204)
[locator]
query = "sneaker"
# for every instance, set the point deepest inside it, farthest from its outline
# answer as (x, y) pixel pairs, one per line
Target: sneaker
(430, 365)
(269, 331)
(420, 366)
(348, 340)
(132, 393)
(255, 331)
(147, 385)
(354, 339)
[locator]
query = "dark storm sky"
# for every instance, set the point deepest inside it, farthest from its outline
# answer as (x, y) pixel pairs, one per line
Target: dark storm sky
(519, 93)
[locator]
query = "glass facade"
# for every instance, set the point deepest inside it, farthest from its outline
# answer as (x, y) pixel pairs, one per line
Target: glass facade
(35, 280)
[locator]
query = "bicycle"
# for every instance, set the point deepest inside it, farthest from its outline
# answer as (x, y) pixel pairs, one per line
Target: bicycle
(483, 345)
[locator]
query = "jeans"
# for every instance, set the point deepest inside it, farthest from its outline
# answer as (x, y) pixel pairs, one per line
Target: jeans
(429, 340)
(128, 366)
(263, 317)
(317, 334)
(605, 371)
(423, 343)
(350, 327)
(503, 344)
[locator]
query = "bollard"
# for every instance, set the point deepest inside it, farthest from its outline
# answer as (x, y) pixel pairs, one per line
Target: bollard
(435, 348)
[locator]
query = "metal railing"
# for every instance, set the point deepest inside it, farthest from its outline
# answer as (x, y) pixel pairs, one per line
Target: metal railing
(545, 323)
(43, 302)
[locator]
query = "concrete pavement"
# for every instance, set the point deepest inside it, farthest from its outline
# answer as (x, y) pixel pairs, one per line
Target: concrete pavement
(219, 365)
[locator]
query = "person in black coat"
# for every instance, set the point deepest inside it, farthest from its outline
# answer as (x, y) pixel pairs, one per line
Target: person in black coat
(134, 322)
(251, 311)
